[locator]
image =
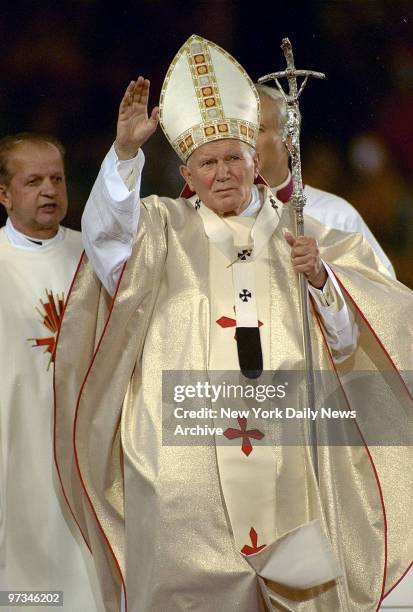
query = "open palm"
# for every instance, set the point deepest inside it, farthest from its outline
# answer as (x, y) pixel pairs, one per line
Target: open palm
(134, 126)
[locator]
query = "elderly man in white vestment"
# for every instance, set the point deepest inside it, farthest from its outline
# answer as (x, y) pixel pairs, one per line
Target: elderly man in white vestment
(38, 551)
(241, 527)
(326, 207)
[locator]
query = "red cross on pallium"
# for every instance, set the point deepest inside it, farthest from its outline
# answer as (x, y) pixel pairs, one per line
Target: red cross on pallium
(245, 434)
(228, 322)
(251, 550)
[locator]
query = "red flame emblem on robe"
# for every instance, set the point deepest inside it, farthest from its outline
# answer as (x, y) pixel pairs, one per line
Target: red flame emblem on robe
(51, 313)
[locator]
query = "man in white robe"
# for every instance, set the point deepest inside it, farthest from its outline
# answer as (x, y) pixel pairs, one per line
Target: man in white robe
(39, 551)
(326, 207)
(216, 527)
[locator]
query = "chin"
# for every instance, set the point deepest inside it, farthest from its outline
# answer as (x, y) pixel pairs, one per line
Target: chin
(229, 206)
(50, 220)
(226, 210)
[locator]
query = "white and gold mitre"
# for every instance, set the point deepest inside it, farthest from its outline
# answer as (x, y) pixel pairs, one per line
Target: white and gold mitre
(207, 96)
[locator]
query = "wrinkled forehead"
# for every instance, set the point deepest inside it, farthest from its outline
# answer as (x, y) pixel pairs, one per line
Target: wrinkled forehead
(31, 155)
(222, 148)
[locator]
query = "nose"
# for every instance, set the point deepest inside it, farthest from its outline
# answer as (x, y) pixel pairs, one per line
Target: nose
(48, 187)
(222, 170)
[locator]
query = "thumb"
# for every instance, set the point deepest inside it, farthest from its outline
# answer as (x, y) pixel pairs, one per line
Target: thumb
(155, 115)
(289, 237)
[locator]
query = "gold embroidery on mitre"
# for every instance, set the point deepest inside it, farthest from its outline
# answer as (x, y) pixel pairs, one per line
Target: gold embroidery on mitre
(201, 64)
(199, 134)
(214, 125)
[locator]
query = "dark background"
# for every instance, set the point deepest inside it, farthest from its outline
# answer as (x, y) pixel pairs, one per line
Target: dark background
(64, 66)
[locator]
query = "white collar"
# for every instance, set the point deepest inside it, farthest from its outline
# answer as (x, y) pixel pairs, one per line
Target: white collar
(264, 225)
(254, 205)
(21, 241)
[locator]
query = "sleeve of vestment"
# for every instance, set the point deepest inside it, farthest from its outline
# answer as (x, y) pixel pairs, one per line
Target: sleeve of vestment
(337, 319)
(363, 229)
(111, 216)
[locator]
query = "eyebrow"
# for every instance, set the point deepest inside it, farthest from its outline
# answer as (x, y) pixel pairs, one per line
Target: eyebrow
(206, 158)
(31, 176)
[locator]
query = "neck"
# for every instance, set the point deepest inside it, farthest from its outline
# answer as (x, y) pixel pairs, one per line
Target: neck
(36, 234)
(278, 178)
(235, 212)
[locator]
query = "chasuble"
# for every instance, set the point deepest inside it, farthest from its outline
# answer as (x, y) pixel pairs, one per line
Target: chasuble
(39, 549)
(183, 527)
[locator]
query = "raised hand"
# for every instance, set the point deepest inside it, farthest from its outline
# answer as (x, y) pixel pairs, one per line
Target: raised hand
(306, 259)
(134, 126)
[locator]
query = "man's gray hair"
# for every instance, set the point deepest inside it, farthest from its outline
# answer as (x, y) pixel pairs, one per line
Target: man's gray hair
(281, 105)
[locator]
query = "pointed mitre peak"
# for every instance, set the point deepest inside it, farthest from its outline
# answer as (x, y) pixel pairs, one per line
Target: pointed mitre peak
(207, 96)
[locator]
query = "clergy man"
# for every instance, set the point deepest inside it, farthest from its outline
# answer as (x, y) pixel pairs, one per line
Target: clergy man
(208, 282)
(38, 549)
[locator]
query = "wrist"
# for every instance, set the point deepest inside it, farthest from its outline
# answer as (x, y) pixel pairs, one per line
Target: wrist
(320, 279)
(125, 153)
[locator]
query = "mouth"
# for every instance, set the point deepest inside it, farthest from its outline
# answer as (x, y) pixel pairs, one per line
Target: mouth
(49, 208)
(226, 190)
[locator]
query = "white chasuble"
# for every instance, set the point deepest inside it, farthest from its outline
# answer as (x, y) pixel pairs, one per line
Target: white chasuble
(38, 550)
(175, 518)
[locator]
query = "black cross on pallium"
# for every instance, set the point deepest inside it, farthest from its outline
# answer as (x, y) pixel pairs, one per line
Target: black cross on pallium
(273, 203)
(245, 295)
(242, 255)
(197, 204)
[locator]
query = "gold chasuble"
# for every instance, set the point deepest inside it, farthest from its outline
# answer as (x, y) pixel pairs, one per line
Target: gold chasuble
(242, 527)
(38, 551)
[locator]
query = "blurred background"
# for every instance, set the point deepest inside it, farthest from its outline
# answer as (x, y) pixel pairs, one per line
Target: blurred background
(64, 66)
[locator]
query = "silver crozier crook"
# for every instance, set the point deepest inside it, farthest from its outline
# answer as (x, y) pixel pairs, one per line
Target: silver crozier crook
(291, 138)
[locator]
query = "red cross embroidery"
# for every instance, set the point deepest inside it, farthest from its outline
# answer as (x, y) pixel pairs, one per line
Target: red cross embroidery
(245, 434)
(228, 322)
(251, 550)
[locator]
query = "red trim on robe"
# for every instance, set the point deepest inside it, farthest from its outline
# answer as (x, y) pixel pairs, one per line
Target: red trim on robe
(376, 476)
(74, 429)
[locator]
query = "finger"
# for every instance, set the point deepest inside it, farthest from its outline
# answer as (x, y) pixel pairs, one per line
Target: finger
(141, 94)
(155, 114)
(289, 237)
(131, 90)
(135, 92)
(300, 250)
(305, 262)
(309, 267)
(127, 95)
(306, 266)
(301, 256)
(305, 240)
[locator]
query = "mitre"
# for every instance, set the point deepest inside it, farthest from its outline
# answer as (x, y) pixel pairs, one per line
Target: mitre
(207, 96)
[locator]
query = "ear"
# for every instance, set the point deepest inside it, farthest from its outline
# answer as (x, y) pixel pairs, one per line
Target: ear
(186, 175)
(5, 197)
(256, 164)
